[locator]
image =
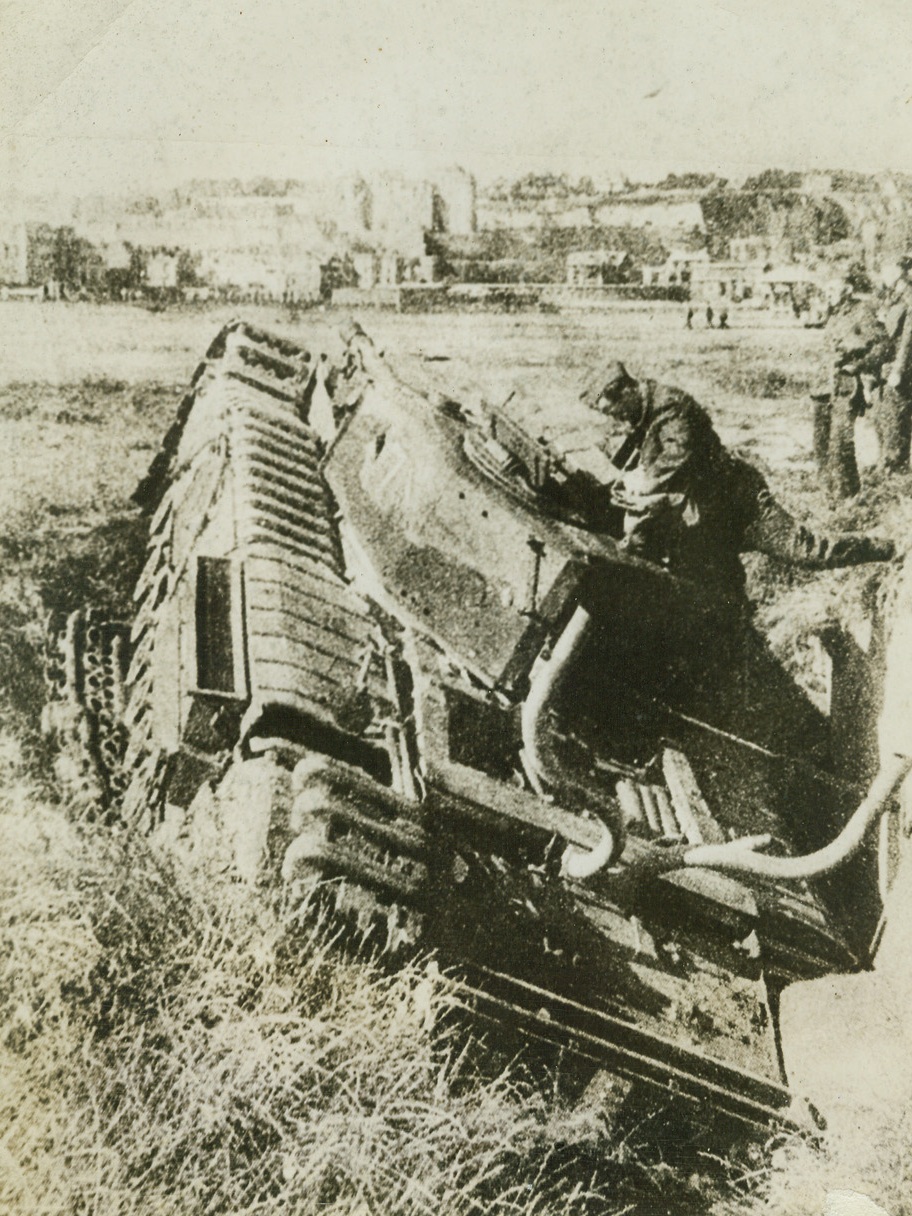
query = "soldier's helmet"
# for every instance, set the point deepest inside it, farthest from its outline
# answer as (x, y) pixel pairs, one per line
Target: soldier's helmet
(608, 385)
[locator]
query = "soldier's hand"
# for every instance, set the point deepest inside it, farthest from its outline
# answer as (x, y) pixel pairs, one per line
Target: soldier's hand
(893, 380)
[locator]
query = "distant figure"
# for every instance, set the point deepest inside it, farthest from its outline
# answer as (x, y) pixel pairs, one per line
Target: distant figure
(688, 324)
(709, 316)
(723, 318)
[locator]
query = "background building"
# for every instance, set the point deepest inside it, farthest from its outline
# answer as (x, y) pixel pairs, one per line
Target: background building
(13, 254)
(597, 267)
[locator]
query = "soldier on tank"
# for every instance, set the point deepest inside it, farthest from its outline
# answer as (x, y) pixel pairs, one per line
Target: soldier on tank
(691, 505)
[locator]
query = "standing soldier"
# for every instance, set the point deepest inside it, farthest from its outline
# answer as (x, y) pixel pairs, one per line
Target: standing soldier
(859, 346)
(894, 418)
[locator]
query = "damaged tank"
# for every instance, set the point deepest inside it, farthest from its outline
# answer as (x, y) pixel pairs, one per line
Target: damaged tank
(376, 645)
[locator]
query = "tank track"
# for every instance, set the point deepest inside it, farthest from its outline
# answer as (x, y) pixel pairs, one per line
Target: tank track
(85, 665)
(340, 850)
(358, 854)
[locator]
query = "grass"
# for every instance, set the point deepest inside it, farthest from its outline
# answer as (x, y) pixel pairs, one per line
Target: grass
(801, 1179)
(171, 1041)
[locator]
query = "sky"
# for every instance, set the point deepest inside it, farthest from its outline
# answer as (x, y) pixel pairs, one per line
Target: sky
(132, 94)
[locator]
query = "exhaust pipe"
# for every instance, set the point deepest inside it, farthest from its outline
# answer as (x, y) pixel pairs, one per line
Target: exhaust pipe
(740, 855)
(542, 767)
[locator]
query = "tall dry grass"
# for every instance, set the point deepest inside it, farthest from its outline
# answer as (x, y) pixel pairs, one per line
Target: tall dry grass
(174, 1042)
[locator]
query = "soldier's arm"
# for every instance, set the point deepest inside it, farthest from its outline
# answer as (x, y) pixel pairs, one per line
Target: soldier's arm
(864, 348)
(586, 498)
(668, 450)
(871, 359)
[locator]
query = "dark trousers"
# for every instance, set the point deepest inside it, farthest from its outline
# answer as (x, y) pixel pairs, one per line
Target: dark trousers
(739, 514)
(894, 430)
(834, 445)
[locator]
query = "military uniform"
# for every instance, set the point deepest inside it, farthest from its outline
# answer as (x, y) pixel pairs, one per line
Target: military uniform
(664, 463)
(894, 418)
(695, 507)
(673, 439)
(895, 723)
(859, 346)
(739, 514)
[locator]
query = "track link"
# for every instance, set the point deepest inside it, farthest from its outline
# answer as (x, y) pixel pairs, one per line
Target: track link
(361, 858)
(85, 670)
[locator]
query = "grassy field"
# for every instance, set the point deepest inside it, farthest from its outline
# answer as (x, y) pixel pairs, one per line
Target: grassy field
(162, 1049)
